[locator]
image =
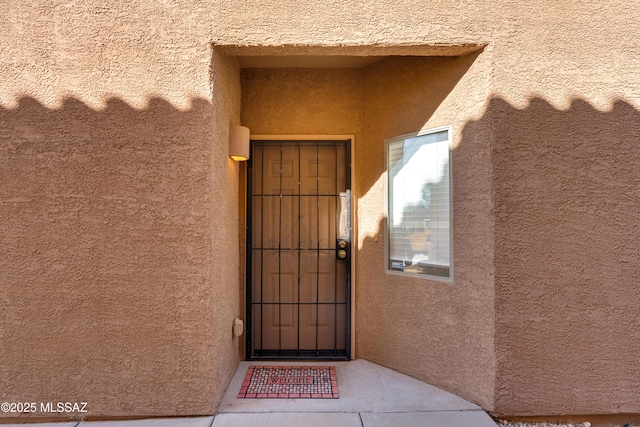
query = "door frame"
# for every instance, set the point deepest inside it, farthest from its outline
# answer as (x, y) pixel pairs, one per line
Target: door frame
(354, 231)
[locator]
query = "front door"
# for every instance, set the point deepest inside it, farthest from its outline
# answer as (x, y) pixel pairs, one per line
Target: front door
(298, 297)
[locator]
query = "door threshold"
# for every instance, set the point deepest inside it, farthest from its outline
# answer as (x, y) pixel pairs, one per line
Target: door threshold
(300, 355)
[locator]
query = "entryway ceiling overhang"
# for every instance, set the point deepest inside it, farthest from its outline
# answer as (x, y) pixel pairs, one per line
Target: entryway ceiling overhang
(306, 61)
(296, 56)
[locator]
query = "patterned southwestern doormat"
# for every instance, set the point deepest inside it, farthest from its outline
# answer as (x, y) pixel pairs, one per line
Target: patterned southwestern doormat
(289, 382)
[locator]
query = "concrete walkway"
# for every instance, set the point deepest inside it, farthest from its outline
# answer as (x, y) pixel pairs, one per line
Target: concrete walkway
(370, 396)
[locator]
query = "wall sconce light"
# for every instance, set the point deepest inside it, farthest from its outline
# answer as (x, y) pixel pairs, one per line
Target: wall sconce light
(239, 143)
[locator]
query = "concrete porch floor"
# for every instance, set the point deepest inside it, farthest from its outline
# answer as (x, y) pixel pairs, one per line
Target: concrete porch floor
(370, 396)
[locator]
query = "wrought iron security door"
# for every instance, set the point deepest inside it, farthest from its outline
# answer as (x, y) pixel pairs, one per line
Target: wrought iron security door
(298, 296)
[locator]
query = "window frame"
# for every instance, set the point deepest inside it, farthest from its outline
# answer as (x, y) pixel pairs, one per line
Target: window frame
(387, 207)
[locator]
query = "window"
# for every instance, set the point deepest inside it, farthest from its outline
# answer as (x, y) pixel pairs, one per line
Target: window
(419, 204)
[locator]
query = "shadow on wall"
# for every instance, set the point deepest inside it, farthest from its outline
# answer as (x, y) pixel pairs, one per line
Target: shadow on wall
(401, 93)
(562, 217)
(567, 185)
(107, 222)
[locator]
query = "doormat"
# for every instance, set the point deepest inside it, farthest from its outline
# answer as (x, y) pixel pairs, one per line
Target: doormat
(289, 382)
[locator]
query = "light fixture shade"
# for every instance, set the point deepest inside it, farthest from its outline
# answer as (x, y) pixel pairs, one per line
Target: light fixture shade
(239, 143)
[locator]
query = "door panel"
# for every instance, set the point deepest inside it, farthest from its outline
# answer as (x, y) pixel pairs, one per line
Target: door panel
(279, 326)
(318, 222)
(318, 282)
(299, 289)
(274, 222)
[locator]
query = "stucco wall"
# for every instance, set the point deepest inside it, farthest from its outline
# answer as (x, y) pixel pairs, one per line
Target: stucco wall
(123, 73)
(294, 101)
(441, 333)
(567, 246)
(225, 280)
(117, 287)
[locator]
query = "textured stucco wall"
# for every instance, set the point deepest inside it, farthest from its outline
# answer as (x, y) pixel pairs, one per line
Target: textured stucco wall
(225, 280)
(117, 287)
(567, 187)
(124, 73)
(441, 333)
(301, 101)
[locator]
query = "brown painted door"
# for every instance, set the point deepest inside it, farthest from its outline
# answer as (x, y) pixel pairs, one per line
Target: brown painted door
(299, 280)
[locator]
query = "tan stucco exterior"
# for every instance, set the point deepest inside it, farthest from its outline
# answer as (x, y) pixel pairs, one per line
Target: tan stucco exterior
(121, 213)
